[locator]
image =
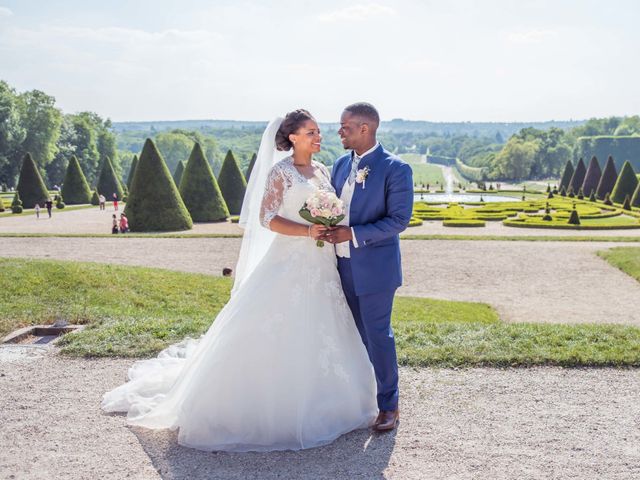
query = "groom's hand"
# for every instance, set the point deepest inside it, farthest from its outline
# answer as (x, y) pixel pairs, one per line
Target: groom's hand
(338, 234)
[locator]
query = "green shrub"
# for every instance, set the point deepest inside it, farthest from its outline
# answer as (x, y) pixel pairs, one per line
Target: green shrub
(635, 199)
(232, 184)
(95, 198)
(75, 188)
(577, 179)
(177, 174)
(563, 191)
(626, 205)
(592, 197)
(574, 218)
(592, 177)
(620, 147)
(415, 222)
(154, 203)
(463, 223)
(607, 199)
(30, 185)
(200, 191)
(252, 162)
(625, 185)
(132, 171)
(565, 181)
(16, 204)
(59, 202)
(608, 179)
(108, 182)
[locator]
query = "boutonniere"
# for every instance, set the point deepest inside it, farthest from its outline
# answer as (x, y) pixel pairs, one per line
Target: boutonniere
(361, 176)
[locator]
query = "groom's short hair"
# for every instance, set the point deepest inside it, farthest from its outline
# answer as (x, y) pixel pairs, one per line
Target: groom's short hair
(366, 111)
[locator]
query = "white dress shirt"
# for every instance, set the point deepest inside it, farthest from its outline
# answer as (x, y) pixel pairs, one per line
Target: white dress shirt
(342, 249)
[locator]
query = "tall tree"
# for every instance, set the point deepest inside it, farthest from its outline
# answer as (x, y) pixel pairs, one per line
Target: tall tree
(565, 181)
(41, 120)
(132, 171)
(177, 174)
(252, 162)
(12, 134)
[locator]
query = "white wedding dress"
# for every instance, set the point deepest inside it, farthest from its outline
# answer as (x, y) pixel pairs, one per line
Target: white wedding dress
(282, 367)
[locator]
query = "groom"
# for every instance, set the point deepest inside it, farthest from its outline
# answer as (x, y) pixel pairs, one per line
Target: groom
(377, 190)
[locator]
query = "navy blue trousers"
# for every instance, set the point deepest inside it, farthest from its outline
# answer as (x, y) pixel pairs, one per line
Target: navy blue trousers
(372, 314)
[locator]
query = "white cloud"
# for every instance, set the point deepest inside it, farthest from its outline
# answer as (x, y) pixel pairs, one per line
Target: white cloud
(531, 36)
(5, 12)
(357, 12)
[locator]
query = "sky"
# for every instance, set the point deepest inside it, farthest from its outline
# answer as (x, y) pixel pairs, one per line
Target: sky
(455, 60)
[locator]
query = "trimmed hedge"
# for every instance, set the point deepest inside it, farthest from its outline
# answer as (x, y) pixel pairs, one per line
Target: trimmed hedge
(16, 204)
(108, 182)
(132, 171)
(154, 203)
(75, 188)
(179, 171)
(608, 179)
(622, 148)
(31, 188)
(252, 163)
(635, 199)
(232, 183)
(592, 177)
(470, 173)
(566, 176)
(577, 179)
(625, 185)
(200, 191)
(463, 223)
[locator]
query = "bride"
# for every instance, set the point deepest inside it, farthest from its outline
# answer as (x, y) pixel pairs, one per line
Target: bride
(283, 366)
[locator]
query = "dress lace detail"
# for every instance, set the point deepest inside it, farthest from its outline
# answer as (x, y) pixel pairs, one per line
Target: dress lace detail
(281, 178)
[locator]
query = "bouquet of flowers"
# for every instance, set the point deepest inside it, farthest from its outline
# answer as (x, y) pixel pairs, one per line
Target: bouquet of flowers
(323, 208)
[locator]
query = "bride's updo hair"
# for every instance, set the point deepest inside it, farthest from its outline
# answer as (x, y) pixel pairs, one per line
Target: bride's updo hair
(291, 123)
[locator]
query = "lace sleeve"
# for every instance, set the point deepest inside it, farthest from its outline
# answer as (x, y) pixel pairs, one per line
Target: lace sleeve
(325, 171)
(273, 195)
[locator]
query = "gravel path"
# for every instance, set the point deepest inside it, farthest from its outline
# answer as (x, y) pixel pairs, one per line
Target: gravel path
(92, 220)
(524, 281)
(456, 424)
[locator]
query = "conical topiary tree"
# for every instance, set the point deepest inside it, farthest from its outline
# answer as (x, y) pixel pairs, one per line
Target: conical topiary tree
(626, 205)
(232, 184)
(625, 185)
(607, 180)
(566, 176)
(635, 199)
(574, 218)
(95, 198)
(132, 170)
(177, 174)
(30, 185)
(16, 204)
(108, 182)
(75, 188)
(200, 191)
(577, 179)
(154, 203)
(592, 178)
(563, 191)
(252, 162)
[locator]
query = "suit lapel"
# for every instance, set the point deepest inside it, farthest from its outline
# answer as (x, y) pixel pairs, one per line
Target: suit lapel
(342, 175)
(367, 161)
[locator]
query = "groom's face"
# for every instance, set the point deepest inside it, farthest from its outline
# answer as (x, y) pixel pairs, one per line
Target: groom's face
(350, 131)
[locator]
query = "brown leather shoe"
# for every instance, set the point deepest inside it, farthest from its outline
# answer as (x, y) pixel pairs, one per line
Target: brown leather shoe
(387, 420)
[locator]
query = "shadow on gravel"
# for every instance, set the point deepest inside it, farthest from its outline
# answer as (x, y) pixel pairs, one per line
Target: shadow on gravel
(358, 454)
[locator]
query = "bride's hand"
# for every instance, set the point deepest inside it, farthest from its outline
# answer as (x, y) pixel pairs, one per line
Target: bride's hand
(317, 231)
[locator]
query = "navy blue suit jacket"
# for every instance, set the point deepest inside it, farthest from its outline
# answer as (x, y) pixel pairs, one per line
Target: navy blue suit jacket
(380, 209)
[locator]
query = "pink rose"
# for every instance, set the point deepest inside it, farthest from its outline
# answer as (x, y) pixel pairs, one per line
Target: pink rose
(335, 211)
(314, 212)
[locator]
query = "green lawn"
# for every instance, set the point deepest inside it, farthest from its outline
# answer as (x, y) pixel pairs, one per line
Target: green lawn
(626, 259)
(134, 311)
(423, 172)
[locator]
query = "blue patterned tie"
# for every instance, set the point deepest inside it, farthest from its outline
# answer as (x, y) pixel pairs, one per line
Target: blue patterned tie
(354, 168)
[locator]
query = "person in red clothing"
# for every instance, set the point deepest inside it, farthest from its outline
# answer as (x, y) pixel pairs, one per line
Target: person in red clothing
(124, 223)
(115, 202)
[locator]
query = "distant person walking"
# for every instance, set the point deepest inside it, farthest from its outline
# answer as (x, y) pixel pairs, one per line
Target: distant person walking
(37, 209)
(49, 205)
(115, 202)
(102, 201)
(124, 223)
(114, 224)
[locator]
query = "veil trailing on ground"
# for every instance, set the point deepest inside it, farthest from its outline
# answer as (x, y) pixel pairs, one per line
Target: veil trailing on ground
(257, 239)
